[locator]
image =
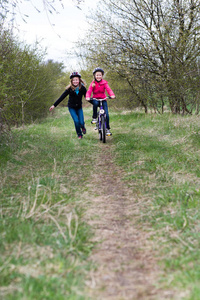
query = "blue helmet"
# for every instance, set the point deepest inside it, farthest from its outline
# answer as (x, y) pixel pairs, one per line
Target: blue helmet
(98, 70)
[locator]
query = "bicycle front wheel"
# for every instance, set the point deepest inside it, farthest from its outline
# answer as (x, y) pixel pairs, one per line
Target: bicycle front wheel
(103, 129)
(99, 126)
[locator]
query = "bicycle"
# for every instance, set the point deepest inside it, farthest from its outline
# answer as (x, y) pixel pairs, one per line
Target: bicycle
(101, 120)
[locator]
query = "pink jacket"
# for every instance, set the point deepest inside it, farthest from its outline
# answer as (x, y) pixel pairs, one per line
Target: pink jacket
(99, 90)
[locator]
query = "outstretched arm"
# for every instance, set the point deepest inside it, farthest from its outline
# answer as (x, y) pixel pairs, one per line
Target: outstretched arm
(61, 98)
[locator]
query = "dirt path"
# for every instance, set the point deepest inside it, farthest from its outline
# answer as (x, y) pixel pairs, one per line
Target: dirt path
(127, 264)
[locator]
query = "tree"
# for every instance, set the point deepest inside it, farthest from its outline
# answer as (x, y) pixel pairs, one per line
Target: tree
(154, 45)
(28, 83)
(49, 5)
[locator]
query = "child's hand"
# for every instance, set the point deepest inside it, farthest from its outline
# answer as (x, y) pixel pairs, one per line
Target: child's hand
(112, 97)
(51, 108)
(88, 99)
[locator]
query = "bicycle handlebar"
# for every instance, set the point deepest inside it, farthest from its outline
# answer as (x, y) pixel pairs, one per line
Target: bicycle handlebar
(100, 99)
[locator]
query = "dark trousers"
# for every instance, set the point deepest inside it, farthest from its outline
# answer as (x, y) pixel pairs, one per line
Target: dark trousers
(105, 107)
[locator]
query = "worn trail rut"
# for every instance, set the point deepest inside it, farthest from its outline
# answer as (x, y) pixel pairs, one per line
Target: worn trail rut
(126, 259)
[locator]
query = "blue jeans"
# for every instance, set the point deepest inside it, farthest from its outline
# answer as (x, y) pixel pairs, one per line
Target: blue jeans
(78, 118)
(105, 107)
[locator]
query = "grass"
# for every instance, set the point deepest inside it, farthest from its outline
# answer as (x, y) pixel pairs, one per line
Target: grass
(161, 155)
(45, 242)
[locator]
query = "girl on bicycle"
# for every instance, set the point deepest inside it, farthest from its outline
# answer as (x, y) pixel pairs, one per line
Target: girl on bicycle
(98, 87)
(76, 90)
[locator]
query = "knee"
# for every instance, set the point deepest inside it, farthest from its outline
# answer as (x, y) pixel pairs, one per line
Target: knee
(76, 122)
(95, 104)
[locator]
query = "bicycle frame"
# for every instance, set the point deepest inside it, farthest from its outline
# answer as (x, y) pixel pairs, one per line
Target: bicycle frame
(101, 120)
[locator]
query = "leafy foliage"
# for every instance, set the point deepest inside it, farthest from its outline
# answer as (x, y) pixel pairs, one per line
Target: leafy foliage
(27, 82)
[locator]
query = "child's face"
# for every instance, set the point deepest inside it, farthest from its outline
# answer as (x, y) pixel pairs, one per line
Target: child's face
(98, 76)
(75, 81)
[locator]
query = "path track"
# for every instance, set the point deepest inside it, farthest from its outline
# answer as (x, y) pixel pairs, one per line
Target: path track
(127, 263)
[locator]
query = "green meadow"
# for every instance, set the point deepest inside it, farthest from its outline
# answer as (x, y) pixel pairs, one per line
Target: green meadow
(46, 243)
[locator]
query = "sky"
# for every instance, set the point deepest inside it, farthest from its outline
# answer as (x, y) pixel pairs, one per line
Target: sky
(56, 32)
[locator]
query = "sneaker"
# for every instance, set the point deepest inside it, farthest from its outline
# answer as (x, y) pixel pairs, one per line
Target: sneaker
(84, 130)
(108, 133)
(93, 121)
(80, 137)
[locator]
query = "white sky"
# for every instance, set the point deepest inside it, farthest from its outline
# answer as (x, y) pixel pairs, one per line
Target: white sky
(58, 31)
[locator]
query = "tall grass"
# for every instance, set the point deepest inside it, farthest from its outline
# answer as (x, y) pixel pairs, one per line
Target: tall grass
(44, 240)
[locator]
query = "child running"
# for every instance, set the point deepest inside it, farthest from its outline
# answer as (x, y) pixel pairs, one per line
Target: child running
(76, 90)
(98, 87)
